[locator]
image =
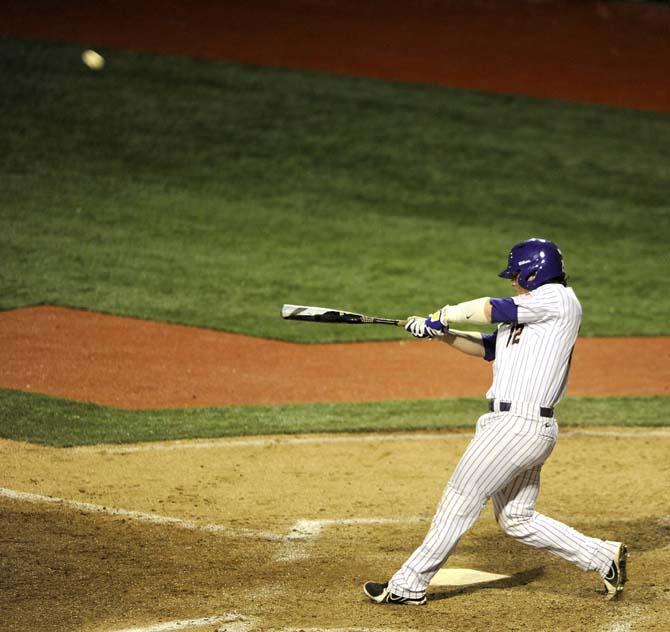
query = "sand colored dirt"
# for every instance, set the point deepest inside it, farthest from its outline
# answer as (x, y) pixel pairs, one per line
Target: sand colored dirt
(131, 363)
(597, 52)
(65, 569)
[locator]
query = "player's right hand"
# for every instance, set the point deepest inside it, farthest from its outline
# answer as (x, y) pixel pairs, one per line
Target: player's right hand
(419, 329)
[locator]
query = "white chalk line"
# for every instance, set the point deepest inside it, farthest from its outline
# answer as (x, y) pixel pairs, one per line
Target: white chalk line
(304, 532)
(313, 528)
(619, 626)
(140, 516)
(301, 530)
(160, 446)
(347, 629)
(628, 621)
(239, 624)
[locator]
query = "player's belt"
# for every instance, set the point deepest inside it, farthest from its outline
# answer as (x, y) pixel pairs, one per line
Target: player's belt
(504, 407)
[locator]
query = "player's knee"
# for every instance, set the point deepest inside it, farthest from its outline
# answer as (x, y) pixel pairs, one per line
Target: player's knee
(462, 502)
(517, 524)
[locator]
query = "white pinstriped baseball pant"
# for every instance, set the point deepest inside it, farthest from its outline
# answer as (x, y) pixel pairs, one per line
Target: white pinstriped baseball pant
(502, 462)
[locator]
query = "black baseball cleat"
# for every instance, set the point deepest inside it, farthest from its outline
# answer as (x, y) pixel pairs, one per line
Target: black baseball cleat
(616, 576)
(380, 593)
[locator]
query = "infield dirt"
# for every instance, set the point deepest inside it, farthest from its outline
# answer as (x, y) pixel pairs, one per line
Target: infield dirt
(67, 569)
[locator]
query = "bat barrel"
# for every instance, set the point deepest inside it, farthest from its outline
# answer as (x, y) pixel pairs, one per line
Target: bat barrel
(330, 315)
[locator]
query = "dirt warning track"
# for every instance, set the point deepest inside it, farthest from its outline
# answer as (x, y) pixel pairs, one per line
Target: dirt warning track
(613, 53)
(130, 363)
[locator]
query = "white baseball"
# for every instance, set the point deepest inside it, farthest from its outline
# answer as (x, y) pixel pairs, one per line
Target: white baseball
(95, 61)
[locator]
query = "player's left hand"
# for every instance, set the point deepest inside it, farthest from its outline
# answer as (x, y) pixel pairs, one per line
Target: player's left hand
(434, 322)
(420, 328)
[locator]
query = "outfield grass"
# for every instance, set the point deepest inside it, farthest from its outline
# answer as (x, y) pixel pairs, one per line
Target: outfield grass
(56, 422)
(210, 193)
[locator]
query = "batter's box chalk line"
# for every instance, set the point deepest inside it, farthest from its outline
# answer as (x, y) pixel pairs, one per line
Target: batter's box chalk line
(304, 532)
(230, 622)
(347, 629)
(141, 516)
(301, 531)
(304, 529)
(635, 618)
(234, 622)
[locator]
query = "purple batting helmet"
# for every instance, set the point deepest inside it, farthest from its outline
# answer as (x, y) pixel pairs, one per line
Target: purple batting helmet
(536, 261)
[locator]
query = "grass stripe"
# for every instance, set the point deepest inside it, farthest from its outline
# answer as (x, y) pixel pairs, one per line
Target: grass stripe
(57, 422)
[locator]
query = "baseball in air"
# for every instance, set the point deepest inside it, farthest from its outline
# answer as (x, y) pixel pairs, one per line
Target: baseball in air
(95, 61)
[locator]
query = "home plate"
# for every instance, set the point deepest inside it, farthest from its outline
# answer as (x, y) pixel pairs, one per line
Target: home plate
(463, 577)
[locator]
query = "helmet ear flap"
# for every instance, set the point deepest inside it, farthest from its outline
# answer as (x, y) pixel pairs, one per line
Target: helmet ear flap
(525, 280)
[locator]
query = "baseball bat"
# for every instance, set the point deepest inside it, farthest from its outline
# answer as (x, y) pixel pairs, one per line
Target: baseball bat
(330, 315)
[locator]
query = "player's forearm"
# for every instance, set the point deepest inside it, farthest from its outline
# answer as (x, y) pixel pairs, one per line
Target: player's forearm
(469, 342)
(477, 311)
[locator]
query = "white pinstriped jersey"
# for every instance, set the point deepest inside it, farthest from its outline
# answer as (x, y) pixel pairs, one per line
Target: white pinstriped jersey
(532, 356)
(510, 446)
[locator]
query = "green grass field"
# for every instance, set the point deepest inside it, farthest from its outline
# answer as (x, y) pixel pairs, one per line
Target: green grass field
(57, 422)
(210, 193)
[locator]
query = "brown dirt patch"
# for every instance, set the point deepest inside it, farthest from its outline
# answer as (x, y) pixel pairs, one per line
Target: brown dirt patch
(63, 569)
(131, 363)
(595, 52)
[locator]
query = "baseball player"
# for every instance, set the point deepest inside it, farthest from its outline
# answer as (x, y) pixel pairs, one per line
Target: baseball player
(531, 352)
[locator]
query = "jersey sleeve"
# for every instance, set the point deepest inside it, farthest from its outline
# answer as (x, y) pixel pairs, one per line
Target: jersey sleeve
(536, 306)
(503, 310)
(489, 341)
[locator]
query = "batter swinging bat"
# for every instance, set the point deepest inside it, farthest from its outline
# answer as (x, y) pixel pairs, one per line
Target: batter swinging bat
(329, 315)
